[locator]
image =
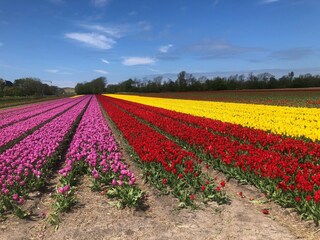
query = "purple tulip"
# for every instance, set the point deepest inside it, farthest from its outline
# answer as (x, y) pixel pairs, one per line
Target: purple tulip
(17, 128)
(66, 188)
(15, 197)
(114, 182)
(61, 190)
(93, 143)
(21, 201)
(25, 160)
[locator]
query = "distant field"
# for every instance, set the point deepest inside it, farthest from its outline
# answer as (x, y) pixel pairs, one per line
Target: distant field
(15, 101)
(282, 97)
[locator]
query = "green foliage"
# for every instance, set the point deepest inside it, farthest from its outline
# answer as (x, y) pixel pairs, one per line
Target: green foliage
(186, 187)
(96, 86)
(27, 87)
(64, 201)
(127, 195)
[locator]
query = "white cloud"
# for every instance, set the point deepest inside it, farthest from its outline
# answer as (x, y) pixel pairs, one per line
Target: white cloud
(92, 39)
(52, 70)
(131, 61)
(154, 70)
(270, 1)
(103, 37)
(119, 30)
(111, 31)
(100, 3)
(105, 61)
(57, 71)
(101, 71)
(165, 49)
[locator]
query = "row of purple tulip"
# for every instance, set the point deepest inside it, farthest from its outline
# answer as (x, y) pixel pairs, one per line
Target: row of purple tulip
(18, 114)
(11, 112)
(17, 129)
(24, 166)
(94, 147)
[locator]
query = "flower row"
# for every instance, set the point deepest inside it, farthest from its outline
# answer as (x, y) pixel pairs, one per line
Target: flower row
(165, 164)
(94, 149)
(24, 166)
(289, 121)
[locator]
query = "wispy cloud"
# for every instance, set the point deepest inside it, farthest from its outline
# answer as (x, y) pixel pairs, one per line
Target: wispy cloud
(132, 61)
(100, 3)
(144, 26)
(165, 49)
(103, 36)
(166, 54)
(116, 32)
(57, 71)
(154, 70)
(52, 70)
(92, 39)
(269, 1)
(292, 53)
(132, 13)
(218, 49)
(215, 3)
(1, 44)
(101, 71)
(105, 61)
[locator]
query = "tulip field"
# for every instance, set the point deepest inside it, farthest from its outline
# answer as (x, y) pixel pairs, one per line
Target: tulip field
(173, 142)
(274, 148)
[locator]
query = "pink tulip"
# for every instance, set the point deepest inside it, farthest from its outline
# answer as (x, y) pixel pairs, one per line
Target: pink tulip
(21, 201)
(61, 190)
(66, 188)
(15, 197)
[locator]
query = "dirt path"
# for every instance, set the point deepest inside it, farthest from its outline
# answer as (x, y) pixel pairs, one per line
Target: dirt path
(95, 217)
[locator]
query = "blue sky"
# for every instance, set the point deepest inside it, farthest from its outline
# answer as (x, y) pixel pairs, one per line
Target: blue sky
(70, 41)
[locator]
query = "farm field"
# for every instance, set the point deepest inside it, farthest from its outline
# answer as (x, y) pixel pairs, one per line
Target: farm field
(297, 97)
(146, 167)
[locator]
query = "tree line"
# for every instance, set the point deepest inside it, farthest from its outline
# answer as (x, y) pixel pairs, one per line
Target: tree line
(96, 86)
(27, 87)
(188, 82)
